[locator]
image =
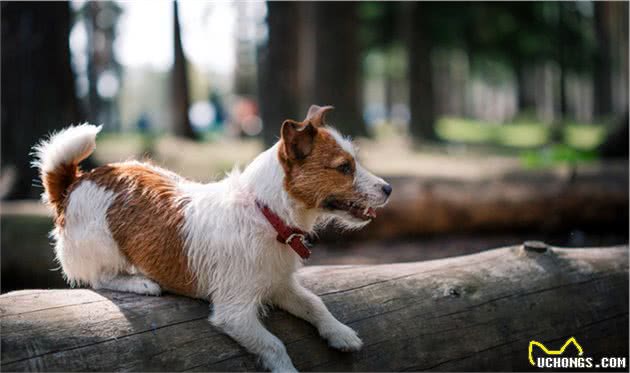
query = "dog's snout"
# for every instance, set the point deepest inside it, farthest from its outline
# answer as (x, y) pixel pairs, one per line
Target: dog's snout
(387, 189)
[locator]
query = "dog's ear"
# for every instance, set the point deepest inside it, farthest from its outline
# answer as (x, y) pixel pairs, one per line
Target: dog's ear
(297, 139)
(317, 115)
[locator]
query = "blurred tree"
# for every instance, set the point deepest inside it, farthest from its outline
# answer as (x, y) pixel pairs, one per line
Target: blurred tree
(180, 97)
(561, 45)
(245, 70)
(278, 69)
(38, 91)
(616, 144)
(103, 71)
(514, 34)
(338, 64)
(602, 77)
(421, 99)
(381, 30)
(523, 35)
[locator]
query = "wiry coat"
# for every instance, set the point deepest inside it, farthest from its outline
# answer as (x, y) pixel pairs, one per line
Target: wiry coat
(136, 227)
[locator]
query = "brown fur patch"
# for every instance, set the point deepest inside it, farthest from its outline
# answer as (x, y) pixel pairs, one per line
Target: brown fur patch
(146, 219)
(314, 178)
(56, 183)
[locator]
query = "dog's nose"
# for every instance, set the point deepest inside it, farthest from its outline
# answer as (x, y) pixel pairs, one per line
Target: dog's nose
(387, 189)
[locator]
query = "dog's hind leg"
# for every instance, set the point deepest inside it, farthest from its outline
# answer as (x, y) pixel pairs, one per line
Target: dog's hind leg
(302, 303)
(129, 283)
(240, 321)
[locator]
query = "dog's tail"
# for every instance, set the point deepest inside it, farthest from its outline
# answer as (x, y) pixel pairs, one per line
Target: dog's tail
(58, 157)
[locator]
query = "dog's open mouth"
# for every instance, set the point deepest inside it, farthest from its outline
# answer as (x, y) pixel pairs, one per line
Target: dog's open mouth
(355, 209)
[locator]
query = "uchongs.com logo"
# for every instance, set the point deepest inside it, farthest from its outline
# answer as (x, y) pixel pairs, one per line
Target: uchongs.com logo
(558, 359)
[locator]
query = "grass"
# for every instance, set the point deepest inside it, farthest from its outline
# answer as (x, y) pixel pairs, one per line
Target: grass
(521, 134)
(584, 136)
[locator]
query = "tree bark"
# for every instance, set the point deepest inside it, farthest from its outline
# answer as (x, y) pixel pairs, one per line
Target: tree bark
(278, 69)
(469, 313)
(338, 65)
(180, 98)
(421, 95)
(38, 92)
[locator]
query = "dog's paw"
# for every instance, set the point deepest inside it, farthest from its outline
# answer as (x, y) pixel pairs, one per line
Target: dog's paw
(342, 337)
(150, 288)
(283, 369)
(280, 364)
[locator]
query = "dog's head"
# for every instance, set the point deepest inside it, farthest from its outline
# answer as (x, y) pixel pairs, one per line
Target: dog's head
(322, 172)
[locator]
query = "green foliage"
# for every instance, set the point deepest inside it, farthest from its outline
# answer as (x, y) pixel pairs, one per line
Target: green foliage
(510, 33)
(465, 130)
(378, 24)
(555, 155)
(523, 133)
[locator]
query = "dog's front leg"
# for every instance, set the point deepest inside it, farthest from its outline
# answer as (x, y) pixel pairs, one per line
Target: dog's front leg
(242, 324)
(301, 302)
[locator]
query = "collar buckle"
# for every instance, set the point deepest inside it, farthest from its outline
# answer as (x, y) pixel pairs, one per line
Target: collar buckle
(294, 235)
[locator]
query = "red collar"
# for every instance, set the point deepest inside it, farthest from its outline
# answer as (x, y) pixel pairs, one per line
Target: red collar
(291, 236)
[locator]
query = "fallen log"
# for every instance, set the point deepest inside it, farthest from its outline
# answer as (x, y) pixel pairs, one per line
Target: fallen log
(470, 313)
(595, 197)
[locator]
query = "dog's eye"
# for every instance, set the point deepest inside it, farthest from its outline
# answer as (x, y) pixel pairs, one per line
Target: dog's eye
(345, 168)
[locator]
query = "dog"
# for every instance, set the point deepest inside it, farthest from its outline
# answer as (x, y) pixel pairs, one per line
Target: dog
(135, 227)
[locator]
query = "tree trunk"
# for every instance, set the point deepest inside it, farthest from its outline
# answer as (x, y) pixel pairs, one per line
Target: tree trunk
(622, 53)
(421, 100)
(101, 18)
(180, 99)
(278, 70)
(338, 65)
(468, 313)
(94, 102)
(602, 75)
(555, 135)
(526, 100)
(38, 92)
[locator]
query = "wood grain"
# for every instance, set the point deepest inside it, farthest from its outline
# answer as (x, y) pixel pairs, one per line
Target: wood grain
(473, 313)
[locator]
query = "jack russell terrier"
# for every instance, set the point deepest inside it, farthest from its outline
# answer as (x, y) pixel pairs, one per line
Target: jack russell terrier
(138, 228)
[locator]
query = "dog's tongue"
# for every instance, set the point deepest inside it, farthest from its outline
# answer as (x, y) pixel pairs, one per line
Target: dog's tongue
(371, 213)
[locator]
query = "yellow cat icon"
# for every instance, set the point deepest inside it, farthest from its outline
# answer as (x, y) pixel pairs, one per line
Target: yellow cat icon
(553, 352)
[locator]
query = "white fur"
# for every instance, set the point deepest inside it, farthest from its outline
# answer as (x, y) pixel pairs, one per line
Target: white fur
(370, 185)
(85, 247)
(241, 266)
(345, 143)
(232, 250)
